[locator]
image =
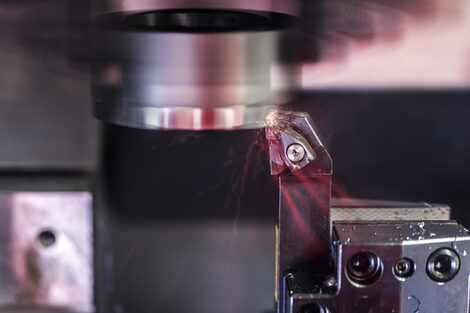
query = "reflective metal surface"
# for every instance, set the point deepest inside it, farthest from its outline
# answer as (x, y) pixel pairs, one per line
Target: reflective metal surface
(185, 69)
(284, 6)
(295, 129)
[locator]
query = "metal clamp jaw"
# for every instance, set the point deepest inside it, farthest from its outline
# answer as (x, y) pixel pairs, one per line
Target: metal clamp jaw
(294, 144)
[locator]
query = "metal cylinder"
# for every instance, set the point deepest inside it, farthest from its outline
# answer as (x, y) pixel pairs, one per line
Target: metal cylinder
(192, 69)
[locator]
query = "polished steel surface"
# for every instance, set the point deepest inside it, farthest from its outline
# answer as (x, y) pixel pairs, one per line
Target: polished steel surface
(196, 69)
(284, 6)
(46, 252)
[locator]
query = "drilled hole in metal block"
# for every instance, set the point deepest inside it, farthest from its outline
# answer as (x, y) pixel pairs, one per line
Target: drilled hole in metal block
(47, 238)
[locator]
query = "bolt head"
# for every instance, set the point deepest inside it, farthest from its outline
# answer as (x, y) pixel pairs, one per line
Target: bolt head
(443, 265)
(403, 268)
(330, 282)
(295, 152)
(364, 268)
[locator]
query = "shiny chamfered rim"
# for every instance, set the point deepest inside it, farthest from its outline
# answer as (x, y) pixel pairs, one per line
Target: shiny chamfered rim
(183, 118)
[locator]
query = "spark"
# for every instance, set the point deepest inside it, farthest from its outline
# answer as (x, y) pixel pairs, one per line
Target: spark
(238, 187)
(277, 121)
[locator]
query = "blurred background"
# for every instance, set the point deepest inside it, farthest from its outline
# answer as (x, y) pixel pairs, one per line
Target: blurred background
(386, 82)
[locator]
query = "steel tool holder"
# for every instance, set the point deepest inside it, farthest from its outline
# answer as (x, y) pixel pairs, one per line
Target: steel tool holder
(373, 266)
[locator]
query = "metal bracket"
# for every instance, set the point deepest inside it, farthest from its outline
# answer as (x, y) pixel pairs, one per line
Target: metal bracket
(287, 129)
(304, 169)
